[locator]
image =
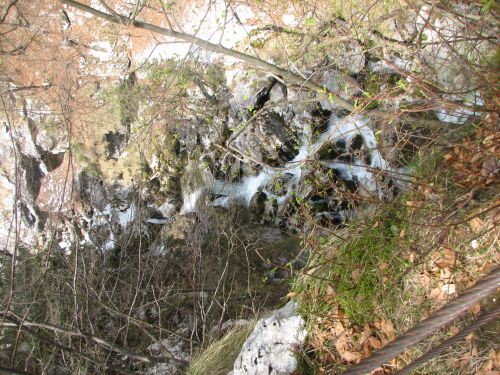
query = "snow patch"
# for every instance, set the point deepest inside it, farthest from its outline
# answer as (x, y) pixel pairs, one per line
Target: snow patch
(102, 50)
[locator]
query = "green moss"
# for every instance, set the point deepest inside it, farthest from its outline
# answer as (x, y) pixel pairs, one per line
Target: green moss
(125, 99)
(360, 269)
(214, 76)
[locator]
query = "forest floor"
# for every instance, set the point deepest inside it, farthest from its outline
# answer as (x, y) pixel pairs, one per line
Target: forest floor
(383, 273)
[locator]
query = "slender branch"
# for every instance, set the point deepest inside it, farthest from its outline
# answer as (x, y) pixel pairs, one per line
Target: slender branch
(12, 371)
(323, 92)
(110, 346)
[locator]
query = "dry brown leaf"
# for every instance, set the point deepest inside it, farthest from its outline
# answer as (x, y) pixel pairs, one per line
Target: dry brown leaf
(454, 330)
(491, 372)
(475, 158)
(495, 356)
(356, 274)
(425, 280)
(375, 342)
(437, 294)
(383, 266)
(476, 224)
(402, 234)
(476, 309)
(488, 365)
(412, 204)
(366, 349)
(341, 343)
(448, 156)
(351, 356)
(339, 328)
(445, 274)
(447, 258)
(330, 290)
(367, 330)
(418, 300)
(388, 328)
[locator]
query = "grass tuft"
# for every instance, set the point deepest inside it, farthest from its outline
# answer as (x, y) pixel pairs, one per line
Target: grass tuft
(219, 357)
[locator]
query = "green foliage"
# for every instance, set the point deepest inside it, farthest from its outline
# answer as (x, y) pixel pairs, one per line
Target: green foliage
(86, 159)
(309, 22)
(214, 76)
(125, 99)
(363, 262)
(258, 43)
(488, 5)
(169, 4)
(170, 74)
(358, 269)
(363, 270)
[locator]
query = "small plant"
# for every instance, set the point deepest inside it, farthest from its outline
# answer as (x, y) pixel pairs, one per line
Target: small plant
(309, 22)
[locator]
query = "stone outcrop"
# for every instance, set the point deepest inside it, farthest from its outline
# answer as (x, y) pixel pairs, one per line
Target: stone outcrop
(271, 346)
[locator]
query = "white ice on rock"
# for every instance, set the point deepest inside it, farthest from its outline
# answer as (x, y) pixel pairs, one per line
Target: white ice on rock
(126, 217)
(271, 346)
(460, 115)
(339, 129)
(365, 175)
(190, 201)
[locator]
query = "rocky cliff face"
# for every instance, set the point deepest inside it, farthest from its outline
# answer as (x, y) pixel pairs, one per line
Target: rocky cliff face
(167, 148)
(222, 158)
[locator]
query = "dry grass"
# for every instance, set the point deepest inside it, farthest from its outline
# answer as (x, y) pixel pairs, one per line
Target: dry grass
(219, 357)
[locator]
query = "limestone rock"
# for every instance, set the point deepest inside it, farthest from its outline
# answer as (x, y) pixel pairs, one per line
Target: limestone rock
(349, 56)
(270, 348)
(340, 83)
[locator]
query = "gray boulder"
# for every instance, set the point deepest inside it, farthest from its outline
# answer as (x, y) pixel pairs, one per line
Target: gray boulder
(271, 346)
